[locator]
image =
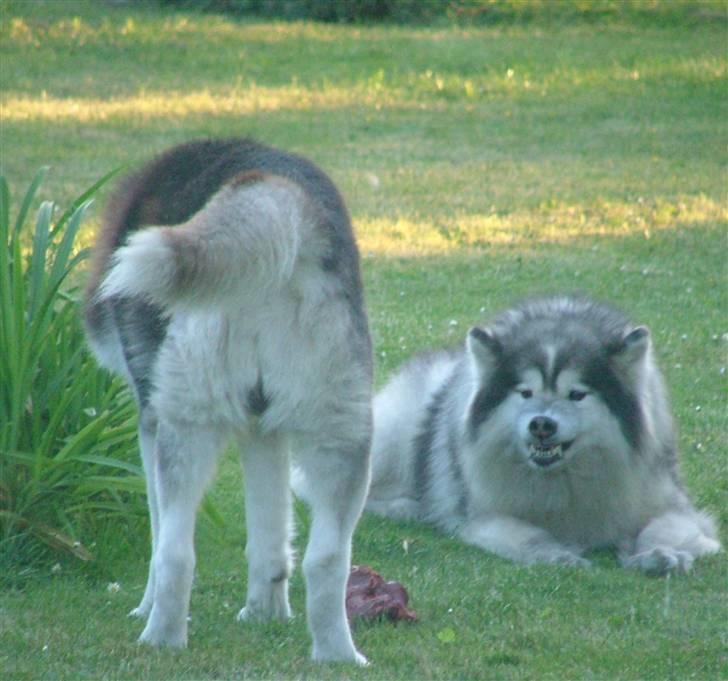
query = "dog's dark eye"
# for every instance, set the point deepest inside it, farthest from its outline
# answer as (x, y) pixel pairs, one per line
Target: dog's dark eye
(526, 394)
(577, 395)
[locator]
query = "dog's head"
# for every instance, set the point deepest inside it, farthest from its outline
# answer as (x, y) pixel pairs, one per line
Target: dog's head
(552, 386)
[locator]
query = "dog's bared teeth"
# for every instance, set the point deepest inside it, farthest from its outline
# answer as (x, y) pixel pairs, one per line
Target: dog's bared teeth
(545, 453)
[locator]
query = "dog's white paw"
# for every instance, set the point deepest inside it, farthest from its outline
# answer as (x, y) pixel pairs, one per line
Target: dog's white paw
(573, 560)
(141, 611)
(267, 600)
(660, 561)
(360, 660)
(164, 631)
(351, 655)
(255, 612)
(562, 557)
(163, 639)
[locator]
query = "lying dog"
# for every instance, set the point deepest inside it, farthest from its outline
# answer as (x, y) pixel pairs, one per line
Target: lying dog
(548, 434)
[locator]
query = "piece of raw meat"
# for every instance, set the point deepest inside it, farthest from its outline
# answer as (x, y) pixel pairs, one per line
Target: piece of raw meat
(368, 596)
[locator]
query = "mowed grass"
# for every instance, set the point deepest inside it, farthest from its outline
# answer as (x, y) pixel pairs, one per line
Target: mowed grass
(480, 165)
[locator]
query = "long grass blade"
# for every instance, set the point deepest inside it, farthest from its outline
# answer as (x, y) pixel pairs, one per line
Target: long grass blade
(62, 254)
(111, 462)
(13, 351)
(37, 269)
(84, 198)
(7, 319)
(212, 513)
(54, 431)
(57, 539)
(4, 209)
(80, 442)
(95, 483)
(28, 199)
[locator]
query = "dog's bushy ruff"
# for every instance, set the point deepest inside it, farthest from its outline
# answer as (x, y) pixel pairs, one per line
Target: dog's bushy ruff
(546, 435)
(226, 289)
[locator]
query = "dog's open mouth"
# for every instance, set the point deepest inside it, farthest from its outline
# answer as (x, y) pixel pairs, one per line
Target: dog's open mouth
(547, 456)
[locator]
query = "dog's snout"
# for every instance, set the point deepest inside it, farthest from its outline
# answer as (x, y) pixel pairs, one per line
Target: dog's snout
(543, 427)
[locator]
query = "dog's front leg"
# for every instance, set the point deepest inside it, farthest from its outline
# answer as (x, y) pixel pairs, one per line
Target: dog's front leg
(671, 542)
(519, 541)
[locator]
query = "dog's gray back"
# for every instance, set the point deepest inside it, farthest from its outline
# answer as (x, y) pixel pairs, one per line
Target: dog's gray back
(127, 332)
(178, 183)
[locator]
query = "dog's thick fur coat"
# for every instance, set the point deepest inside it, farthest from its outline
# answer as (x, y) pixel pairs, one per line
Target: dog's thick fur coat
(226, 290)
(547, 435)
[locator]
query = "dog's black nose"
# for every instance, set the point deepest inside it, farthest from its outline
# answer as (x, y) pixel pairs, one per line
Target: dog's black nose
(543, 427)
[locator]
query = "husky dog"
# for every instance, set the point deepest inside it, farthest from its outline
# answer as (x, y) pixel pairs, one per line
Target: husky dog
(226, 289)
(547, 435)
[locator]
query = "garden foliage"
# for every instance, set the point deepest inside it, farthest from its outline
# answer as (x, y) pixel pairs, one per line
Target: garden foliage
(469, 11)
(67, 430)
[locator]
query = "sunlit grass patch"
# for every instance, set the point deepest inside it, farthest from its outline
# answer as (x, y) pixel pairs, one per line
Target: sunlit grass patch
(79, 31)
(252, 99)
(553, 223)
(393, 88)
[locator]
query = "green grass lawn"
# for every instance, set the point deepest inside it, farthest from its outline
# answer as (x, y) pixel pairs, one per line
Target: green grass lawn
(480, 164)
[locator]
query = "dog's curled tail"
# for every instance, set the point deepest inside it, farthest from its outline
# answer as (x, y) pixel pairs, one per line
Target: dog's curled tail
(245, 240)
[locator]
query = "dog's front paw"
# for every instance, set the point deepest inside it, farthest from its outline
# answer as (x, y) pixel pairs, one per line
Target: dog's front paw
(661, 561)
(351, 655)
(267, 598)
(561, 556)
(159, 639)
(144, 608)
(572, 560)
(141, 611)
(360, 660)
(277, 610)
(164, 632)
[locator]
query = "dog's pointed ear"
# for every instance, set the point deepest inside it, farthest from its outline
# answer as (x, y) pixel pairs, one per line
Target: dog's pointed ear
(484, 348)
(634, 346)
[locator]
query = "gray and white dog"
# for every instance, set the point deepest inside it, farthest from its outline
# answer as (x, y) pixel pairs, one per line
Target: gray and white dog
(547, 435)
(226, 289)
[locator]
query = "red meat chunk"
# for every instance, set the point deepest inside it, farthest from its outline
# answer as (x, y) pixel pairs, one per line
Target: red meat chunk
(368, 596)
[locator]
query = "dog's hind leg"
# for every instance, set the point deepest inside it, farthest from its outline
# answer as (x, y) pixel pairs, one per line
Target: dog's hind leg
(337, 481)
(268, 516)
(185, 460)
(147, 437)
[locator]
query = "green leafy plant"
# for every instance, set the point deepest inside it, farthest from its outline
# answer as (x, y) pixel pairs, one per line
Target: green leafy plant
(67, 430)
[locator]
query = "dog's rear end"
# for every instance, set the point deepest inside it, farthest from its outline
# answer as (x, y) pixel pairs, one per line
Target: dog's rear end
(226, 289)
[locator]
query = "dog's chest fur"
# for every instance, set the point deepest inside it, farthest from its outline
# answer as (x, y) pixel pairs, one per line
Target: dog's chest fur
(593, 502)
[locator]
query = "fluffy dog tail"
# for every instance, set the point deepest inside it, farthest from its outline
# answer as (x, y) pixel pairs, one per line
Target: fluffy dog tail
(247, 239)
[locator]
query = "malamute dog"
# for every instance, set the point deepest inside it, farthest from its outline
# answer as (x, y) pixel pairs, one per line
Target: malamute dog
(548, 434)
(226, 290)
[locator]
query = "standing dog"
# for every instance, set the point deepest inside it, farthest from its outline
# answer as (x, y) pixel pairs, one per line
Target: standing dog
(226, 290)
(547, 435)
